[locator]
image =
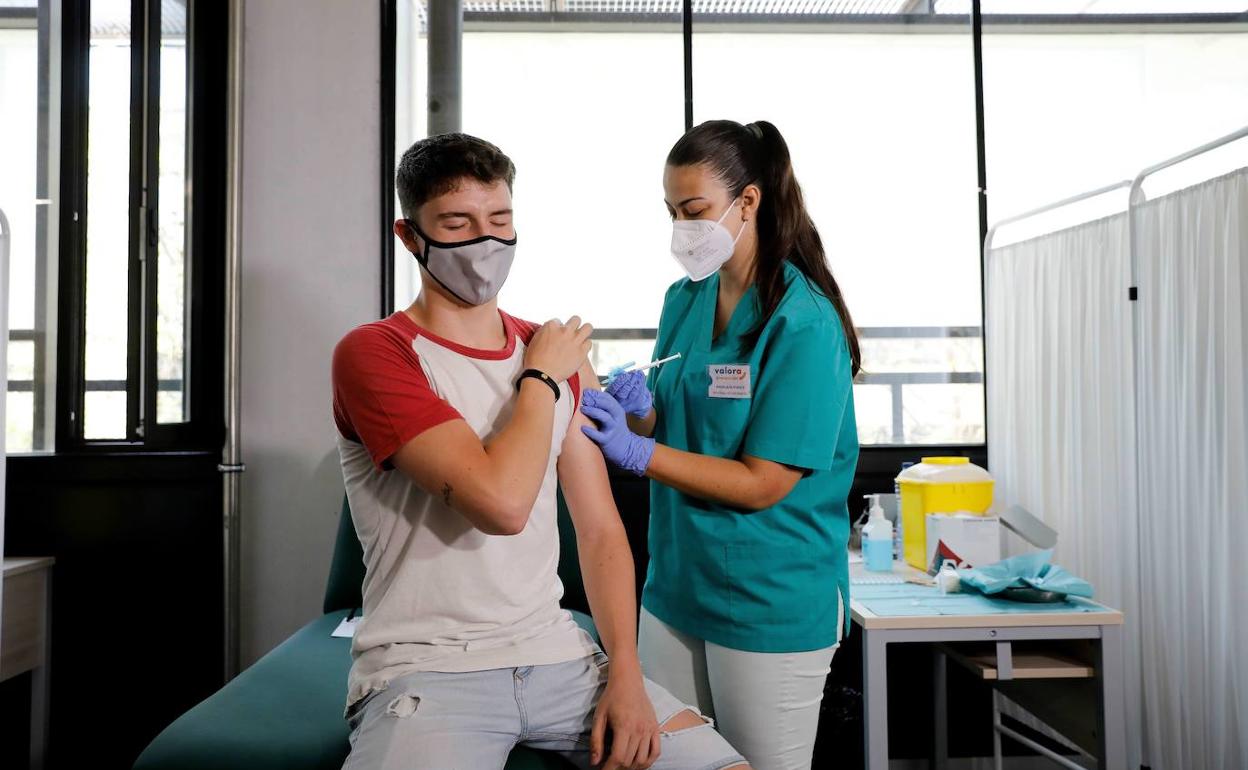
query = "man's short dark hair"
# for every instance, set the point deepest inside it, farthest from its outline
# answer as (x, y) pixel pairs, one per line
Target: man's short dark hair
(436, 165)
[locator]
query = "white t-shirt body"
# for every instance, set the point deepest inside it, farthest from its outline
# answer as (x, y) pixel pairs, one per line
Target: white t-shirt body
(439, 594)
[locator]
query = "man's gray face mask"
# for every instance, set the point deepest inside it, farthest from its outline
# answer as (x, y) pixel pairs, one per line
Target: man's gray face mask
(473, 271)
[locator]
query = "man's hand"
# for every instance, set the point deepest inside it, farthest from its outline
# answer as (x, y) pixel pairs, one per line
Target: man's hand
(559, 349)
(626, 711)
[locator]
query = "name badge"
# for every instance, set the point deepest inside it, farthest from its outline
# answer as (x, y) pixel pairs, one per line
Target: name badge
(729, 381)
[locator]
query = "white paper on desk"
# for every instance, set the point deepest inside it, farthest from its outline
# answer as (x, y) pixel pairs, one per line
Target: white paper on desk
(346, 629)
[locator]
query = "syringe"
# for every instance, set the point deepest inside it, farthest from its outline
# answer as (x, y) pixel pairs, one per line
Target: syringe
(652, 364)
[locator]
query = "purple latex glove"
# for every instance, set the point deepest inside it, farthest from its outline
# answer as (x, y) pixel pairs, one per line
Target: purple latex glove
(619, 445)
(629, 388)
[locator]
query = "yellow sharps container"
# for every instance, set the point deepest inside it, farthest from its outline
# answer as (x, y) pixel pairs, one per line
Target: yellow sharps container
(938, 485)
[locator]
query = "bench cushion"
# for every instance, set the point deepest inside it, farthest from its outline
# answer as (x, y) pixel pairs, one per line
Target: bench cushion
(285, 711)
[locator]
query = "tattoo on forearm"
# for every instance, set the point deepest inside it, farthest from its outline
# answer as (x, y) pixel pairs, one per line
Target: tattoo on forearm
(447, 489)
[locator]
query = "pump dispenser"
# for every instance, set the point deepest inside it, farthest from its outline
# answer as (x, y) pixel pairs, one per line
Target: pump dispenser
(877, 539)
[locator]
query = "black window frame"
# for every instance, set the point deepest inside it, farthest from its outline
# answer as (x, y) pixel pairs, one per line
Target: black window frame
(204, 427)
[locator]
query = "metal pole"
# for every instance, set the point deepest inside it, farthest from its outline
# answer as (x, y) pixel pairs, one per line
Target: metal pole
(977, 56)
(686, 28)
(389, 42)
(446, 35)
(231, 462)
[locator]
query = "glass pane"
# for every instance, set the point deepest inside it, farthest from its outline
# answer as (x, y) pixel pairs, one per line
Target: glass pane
(943, 414)
(172, 402)
(105, 414)
(19, 81)
(19, 422)
(923, 354)
(1069, 112)
(604, 355)
(873, 410)
(588, 188)
(884, 150)
(411, 121)
(29, 176)
(21, 363)
(108, 216)
(1093, 7)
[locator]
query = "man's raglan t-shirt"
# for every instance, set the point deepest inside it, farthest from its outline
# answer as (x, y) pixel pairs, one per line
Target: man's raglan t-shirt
(439, 594)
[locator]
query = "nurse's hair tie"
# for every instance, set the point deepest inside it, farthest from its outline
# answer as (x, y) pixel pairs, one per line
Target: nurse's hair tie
(755, 130)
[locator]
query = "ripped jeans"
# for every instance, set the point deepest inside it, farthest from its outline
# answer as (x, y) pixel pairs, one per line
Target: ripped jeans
(437, 721)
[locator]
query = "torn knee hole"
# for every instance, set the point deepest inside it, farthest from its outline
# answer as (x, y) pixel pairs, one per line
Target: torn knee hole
(685, 720)
(403, 706)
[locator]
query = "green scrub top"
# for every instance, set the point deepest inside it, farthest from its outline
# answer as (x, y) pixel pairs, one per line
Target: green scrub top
(764, 581)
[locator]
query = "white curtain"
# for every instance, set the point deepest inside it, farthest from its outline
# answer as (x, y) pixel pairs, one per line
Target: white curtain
(1192, 252)
(1163, 532)
(1061, 433)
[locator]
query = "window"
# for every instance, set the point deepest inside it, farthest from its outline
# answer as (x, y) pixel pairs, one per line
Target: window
(617, 121)
(98, 202)
(29, 156)
(877, 102)
(601, 89)
(106, 409)
(881, 129)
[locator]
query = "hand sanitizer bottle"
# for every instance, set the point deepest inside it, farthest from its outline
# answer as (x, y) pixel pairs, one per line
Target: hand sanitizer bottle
(877, 539)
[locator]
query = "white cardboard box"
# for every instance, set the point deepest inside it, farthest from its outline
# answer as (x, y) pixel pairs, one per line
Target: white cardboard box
(973, 541)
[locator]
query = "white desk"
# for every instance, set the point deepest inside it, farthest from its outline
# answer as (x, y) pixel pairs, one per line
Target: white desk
(25, 644)
(1102, 628)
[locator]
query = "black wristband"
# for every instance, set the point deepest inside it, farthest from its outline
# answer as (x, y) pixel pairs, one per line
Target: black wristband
(537, 374)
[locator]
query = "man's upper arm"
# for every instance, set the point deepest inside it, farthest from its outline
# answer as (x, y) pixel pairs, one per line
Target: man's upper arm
(383, 400)
(583, 475)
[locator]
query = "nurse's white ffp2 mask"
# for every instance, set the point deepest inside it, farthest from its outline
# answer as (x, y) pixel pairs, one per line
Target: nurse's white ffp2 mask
(701, 246)
(474, 271)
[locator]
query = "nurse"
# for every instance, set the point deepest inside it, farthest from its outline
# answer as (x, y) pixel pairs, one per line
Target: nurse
(751, 437)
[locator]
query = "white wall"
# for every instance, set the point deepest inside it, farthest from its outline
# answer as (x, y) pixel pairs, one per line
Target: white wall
(310, 273)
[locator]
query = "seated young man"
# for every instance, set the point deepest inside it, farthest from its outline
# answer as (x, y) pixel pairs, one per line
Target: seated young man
(456, 423)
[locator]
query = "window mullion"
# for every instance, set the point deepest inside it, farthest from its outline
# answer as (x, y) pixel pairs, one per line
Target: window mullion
(138, 206)
(149, 240)
(71, 311)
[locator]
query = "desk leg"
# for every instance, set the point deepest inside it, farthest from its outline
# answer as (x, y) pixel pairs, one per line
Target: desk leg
(941, 721)
(39, 685)
(1111, 699)
(875, 699)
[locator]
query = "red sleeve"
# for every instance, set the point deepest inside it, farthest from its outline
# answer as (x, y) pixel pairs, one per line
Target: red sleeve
(382, 398)
(525, 331)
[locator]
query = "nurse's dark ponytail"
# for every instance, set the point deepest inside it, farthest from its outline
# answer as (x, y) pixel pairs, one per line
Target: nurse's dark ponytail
(756, 153)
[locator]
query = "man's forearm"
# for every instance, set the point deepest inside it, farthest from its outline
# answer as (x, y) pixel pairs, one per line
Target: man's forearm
(608, 572)
(520, 451)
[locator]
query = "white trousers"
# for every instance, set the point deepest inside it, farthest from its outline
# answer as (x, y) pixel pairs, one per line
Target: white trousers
(766, 704)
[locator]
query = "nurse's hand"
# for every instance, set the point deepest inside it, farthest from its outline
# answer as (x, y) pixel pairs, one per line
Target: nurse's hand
(629, 388)
(619, 445)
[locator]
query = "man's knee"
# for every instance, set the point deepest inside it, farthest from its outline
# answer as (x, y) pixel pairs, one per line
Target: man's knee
(684, 720)
(688, 719)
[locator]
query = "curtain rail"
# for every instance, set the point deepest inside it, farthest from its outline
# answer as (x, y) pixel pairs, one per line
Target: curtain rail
(1136, 185)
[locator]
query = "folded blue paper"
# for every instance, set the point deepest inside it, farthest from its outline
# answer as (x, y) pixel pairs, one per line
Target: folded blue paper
(1031, 570)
